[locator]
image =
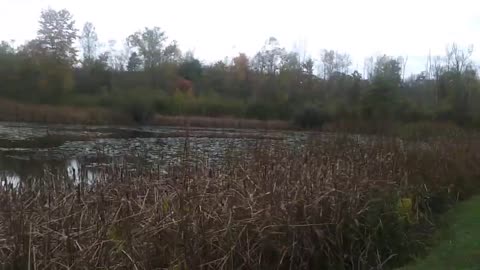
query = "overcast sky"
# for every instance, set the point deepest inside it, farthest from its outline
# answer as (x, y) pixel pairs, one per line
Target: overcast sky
(214, 29)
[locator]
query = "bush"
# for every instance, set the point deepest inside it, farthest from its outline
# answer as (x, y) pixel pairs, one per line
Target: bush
(138, 103)
(311, 117)
(217, 107)
(140, 111)
(259, 110)
(265, 110)
(163, 106)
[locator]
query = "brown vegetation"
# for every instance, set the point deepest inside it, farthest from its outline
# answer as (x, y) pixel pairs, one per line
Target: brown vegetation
(13, 111)
(219, 122)
(331, 204)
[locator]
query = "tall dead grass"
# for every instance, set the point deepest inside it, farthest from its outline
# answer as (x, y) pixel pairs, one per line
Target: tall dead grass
(13, 111)
(323, 205)
(219, 122)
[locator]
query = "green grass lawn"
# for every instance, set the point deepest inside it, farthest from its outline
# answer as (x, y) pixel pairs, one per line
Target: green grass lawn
(458, 247)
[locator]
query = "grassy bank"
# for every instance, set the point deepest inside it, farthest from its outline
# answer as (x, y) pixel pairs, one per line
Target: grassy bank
(458, 244)
(335, 204)
(13, 111)
(219, 122)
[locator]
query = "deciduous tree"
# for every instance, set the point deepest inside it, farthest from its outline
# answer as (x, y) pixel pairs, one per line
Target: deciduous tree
(57, 35)
(89, 42)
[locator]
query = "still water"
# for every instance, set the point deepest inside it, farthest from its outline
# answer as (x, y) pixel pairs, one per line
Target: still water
(30, 150)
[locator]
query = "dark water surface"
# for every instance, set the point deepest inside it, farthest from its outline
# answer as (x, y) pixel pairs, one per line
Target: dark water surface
(31, 150)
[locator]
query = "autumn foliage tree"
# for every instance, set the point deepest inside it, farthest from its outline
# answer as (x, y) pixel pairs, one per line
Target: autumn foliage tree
(151, 72)
(57, 35)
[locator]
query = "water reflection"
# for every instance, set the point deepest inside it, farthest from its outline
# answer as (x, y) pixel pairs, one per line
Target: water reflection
(73, 168)
(9, 179)
(78, 173)
(14, 168)
(81, 153)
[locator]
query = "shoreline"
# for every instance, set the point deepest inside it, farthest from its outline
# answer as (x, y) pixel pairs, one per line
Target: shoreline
(14, 112)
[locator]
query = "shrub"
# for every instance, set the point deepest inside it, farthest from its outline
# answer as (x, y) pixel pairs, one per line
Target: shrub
(311, 117)
(163, 105)
(265, 110)
(258, 110)
(206, 106)
(138, 103)
(140, 111)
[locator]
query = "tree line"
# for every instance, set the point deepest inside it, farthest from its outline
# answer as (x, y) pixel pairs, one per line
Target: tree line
(150, 74)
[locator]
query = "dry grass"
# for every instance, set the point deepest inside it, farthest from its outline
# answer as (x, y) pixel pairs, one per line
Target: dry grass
(13, 111)
(328, 205)
(219, 122)
(358, 126)
(419, 130)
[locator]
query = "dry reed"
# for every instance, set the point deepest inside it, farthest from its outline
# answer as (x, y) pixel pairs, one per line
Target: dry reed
(322, 205)
(219, 122)
(13, 111)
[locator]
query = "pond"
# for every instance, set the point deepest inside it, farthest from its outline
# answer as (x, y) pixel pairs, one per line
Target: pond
(28, 150)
